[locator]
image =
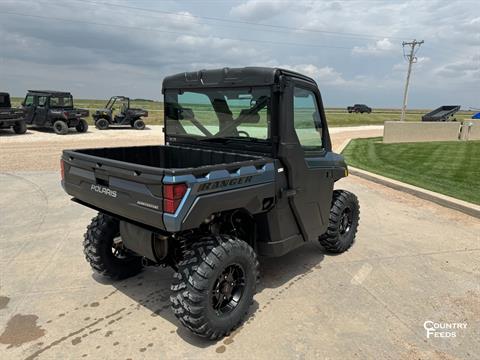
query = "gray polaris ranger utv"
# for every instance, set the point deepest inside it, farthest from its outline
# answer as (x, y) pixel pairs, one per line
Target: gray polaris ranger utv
(247, 170)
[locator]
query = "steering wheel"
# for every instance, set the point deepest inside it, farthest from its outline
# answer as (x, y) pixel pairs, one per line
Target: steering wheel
(244, 133)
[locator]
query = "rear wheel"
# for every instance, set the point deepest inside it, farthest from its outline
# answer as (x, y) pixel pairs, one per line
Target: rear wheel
(213, 287)
(20, 127)
(82, 126)
(104, 250)
(343, 222)
(101, 124)
(139, 124)
(60, 127)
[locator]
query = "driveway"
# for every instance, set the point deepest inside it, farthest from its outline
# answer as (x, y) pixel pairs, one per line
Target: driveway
(413, 262)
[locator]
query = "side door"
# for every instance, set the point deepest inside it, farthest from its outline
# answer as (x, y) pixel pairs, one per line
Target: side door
(29, 108)
(309, 171)
(41, 111)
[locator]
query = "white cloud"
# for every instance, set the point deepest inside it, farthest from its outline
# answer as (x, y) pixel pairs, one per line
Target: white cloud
(323, 75)
(258, 9)
(380, 47)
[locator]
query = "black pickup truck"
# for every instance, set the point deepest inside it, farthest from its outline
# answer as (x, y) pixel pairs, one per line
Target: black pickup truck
(11, 117)
(247, 169)
(359, 108)
(54, 109)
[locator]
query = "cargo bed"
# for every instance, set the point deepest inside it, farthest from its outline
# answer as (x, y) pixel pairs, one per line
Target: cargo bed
(174, 160)
(128, 181)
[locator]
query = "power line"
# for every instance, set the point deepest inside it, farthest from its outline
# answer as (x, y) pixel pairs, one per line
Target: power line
(290, 28)
(172, 32)
(411, 58)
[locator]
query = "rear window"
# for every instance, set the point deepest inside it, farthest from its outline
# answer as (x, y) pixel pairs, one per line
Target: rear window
(239, 113)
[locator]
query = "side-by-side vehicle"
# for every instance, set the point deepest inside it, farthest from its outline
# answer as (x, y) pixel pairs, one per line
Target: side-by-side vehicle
(247, 170)
(54, 109)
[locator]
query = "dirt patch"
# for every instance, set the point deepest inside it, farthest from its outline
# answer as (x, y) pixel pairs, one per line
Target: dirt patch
(20, 330)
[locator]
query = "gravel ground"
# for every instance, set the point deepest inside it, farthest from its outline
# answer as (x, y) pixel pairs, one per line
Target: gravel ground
(41, 149)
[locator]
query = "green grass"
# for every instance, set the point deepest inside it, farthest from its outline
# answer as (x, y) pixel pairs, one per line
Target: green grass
(450, 168)
(335, 116)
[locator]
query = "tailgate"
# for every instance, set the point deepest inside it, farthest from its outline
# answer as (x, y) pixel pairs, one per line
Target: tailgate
(123, 189)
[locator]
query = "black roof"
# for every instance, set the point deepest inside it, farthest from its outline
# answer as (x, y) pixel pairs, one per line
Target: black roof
(246, 76)
(50, 92)
(4, 93)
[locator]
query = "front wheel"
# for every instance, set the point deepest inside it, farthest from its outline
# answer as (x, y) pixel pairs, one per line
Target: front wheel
(82, 126)
(102, 124)
(139, 124)
(104, 250)
(214, 285)
(343, 222)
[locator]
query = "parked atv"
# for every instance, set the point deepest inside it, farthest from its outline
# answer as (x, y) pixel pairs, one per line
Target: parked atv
(54, 109)
(253, 177)
(127, 116)
(11, 117)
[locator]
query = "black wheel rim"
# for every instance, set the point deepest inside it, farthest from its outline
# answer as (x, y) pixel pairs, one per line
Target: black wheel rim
(346, 221)
(228, 289)
(58, 127)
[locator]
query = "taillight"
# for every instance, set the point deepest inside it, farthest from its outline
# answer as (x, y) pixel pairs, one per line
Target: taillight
(62, 169)
(172, 196)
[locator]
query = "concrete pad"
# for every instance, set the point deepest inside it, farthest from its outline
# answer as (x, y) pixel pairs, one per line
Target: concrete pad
(413, 261)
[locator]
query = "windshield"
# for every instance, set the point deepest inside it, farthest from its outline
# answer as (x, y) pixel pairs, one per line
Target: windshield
(234, 113)
(61, 101)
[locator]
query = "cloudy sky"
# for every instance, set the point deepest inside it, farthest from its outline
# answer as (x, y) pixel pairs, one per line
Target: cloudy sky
(352, 48)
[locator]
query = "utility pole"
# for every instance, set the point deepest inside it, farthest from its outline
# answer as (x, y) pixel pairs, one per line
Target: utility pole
(411, 60)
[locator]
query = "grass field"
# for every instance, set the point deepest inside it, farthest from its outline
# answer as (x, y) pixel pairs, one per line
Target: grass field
(450, 168)
(335, 116)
